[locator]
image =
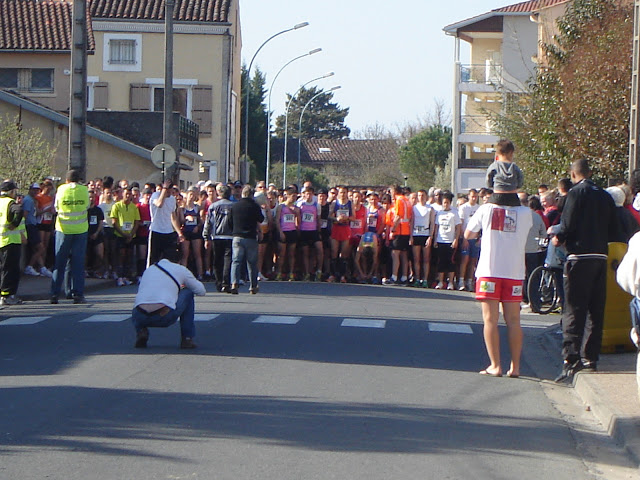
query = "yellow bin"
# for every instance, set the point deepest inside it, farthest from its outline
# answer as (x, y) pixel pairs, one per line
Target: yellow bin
(617, 319)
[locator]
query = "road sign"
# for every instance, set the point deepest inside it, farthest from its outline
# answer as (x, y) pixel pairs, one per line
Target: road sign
(163, 156)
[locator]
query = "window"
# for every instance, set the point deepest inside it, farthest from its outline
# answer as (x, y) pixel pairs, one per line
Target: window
(8, 78)
(122, 52)
(179, 100)
(41, 80)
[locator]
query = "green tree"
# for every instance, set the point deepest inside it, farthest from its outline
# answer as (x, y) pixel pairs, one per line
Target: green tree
(257, 119)
(307, 174)
(322, 118)
(25, 155)
(577, 105)
(423, 153)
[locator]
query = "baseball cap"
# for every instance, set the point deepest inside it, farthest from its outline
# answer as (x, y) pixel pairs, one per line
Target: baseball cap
(372, 192)
(35, 185)
(237, 183)
(7, 186)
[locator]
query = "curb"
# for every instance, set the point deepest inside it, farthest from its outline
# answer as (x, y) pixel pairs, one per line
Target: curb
(43, 293)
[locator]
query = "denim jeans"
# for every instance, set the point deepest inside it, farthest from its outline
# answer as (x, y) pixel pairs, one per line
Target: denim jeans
(245, 249)
(71, 247)
(185, 311)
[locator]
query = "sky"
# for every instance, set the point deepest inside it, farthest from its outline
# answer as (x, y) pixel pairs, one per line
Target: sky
(391, 59)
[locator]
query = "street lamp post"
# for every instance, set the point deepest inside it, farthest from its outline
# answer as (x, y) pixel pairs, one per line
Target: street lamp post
(286, 113)
(284, 178)
(268, 160)
(248, 90)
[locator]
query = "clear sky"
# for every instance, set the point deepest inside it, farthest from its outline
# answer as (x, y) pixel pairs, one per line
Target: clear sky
(391, 58)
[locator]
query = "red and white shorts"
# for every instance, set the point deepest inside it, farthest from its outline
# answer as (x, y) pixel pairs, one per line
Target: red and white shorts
(501, 289)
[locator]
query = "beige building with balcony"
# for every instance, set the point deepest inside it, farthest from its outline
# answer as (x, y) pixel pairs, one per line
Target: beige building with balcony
(503, 50)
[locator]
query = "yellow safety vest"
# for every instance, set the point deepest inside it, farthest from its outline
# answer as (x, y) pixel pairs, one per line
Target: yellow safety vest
(7, 235)
(72, 203)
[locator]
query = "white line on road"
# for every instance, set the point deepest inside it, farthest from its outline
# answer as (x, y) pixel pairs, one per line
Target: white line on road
(22, 320)
(105, 318)
(282, 320)
(363, 323)
(205, 317)
(450, 328)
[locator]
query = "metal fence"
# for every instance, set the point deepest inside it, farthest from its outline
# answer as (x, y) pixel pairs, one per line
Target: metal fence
(478, 124)
(489, 73)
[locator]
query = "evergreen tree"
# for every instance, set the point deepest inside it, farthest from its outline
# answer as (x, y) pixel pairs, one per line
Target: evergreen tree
(257, 119)
(322, 118)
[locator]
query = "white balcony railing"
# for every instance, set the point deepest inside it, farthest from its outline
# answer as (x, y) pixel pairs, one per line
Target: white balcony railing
(490, 74)
(476, 124)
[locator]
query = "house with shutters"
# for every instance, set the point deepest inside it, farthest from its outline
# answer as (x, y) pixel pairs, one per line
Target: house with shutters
(503, 47)
(126, 72)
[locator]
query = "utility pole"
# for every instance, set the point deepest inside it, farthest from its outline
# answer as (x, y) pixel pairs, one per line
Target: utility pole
(634, 124)
(78, 92)
(168, 132)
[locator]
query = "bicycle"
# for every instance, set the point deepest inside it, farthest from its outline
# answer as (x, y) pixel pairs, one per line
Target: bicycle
(543, 290)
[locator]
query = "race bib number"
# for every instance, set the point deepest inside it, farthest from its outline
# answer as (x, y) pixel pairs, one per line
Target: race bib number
(47, 216)
(516, 291)
(93, 220)
(127, 226)
(356, 224)
(372, 221)
(190, 220)
(308, 217)
(324, 223)
(419, 229)
(289, 218)
(342, 212)
(504, 220)
(488, 287)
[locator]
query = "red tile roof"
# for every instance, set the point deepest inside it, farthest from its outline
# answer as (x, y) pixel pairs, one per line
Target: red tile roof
(530, 6)
(37, 25)
(184, 10)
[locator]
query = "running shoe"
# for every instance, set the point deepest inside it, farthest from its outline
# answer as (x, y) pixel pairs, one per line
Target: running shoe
(439, 286)
(343, 279)
(318, 276)
(261, 278)
(450, 287)
(461, 285)
(10, 300)
(331, 279)
(279, 277)
(375, 281)
(388, 281)
(416, 284)
(31, 271)
(120, 282)
(292, 277)
(126, 281)
(306, 278)
(45, 272)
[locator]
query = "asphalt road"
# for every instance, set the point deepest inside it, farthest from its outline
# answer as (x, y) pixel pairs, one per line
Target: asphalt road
(302, 381)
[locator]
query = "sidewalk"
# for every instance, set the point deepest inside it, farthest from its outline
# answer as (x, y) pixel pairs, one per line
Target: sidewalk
(611, 393)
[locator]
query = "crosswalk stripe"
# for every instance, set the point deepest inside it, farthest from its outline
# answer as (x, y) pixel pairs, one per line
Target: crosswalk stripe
(205, 317)
(22, 320)
(105, 318)
(450, 328)
(277, 319)
(363, 323)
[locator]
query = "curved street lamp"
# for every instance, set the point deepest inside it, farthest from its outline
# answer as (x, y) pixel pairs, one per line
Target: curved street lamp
(248, 90)
(286, 113)
(284, 178)
(268, 160)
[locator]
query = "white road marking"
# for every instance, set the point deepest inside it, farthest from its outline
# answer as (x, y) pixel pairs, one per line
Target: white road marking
(205, 317)
(363, 323)
(450, 328)
(532, 324)
(282, 320)
(22, 320)
(105, 318)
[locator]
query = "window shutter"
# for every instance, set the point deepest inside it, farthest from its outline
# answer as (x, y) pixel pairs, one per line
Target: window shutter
(100, 96)
(202, 108)
(139, 97)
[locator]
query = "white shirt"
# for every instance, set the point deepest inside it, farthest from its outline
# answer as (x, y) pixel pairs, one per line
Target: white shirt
(466, 211)
(157, 287)
(447, 221)
(161, 216)
(504, 235)
(421, 219)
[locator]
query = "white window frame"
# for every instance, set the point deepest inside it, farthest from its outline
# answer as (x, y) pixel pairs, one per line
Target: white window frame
(121, 67)
(185, 83)
(91, 81)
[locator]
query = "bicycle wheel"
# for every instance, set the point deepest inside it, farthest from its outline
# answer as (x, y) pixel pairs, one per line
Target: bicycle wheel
(542, 290)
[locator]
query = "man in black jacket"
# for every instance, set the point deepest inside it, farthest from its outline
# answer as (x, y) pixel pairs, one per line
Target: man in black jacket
(218, 229)
(588, 222)
(246, 216)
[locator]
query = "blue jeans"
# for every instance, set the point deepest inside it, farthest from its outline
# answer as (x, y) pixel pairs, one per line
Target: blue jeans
(245, 249)
(185, 311)
(71, 247)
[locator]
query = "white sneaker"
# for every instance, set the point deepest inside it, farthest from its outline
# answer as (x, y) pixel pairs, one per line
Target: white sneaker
(461, 285)
(450, 286)
(470, 286)
(45, 272)
(439, 286)
(126, 281)
(261, 278)
(120, 282)
(31, 271)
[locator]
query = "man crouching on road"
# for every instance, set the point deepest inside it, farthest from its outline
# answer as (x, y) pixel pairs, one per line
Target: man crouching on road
(165, 294)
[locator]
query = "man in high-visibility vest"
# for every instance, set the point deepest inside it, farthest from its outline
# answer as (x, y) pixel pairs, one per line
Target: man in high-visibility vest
(10, 243)
(72, 225)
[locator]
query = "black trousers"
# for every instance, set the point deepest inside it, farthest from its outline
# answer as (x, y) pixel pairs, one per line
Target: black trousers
(10, 269)
(222, 261)
(585, 285)
(160, 243)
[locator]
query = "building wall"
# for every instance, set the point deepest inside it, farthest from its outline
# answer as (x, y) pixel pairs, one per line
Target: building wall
(520, 44)
(547, 25)
(60, 62)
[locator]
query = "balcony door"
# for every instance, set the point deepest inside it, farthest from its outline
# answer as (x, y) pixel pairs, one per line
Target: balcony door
(493, 67)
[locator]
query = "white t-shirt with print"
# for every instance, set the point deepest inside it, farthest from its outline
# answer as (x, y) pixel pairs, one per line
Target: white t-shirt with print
(466, 211)
(504, 235)
(447, 221)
